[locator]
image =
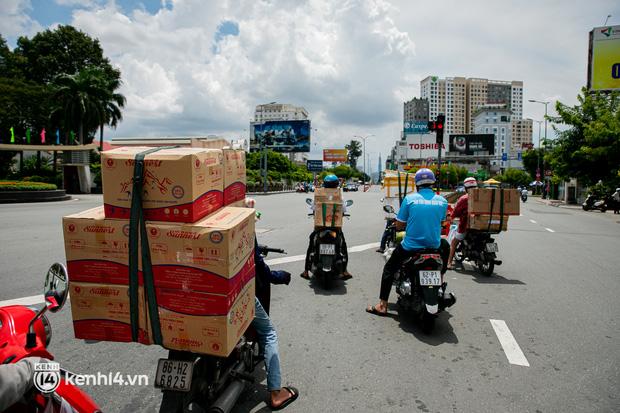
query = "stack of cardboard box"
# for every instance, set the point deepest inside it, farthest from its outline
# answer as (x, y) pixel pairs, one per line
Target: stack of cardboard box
(201, 251)
(328, 207)
(397, 184)
(490, 208)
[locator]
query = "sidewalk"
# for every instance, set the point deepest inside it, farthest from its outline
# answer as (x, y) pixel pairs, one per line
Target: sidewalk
(555, 203)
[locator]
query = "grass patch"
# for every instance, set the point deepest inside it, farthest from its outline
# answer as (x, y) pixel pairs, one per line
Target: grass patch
(26, 186)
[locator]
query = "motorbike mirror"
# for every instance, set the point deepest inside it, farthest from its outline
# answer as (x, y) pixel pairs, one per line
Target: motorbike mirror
(348, 202)
(309, 201)
(388, 208)
(56, 287)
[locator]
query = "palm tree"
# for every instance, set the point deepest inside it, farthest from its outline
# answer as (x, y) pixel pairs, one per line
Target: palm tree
(355, 151)
(112, 105)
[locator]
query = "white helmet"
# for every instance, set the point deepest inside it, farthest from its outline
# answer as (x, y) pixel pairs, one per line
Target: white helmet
(470, 182)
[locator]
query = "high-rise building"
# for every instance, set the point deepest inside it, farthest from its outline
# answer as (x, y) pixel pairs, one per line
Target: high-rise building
(458, 99)
(521, 133)
(279, 111)
(495, 119)
(416, 110)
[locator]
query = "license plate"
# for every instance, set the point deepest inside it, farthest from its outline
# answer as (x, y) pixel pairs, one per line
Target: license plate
(327, 249)
(174, 375)
(492, 247)
(430, 277)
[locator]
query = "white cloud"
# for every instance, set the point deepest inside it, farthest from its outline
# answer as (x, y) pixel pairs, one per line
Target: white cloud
(75, 3)
(14, 19)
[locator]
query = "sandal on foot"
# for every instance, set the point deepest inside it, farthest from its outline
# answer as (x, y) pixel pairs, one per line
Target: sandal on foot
(294, 395)
(305, 275)
(373, 310)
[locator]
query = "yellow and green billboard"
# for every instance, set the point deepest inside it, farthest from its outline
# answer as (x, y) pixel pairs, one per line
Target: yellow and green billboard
(604, 59)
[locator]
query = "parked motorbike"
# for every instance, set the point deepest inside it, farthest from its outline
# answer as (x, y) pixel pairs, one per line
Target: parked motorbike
(480, 248)
(327, 258)
(421, 289)
(200, 383)
(591, 203)
(25, 331)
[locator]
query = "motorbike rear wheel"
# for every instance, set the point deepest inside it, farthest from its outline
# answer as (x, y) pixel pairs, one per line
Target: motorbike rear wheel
(427, 321)
(486, 265)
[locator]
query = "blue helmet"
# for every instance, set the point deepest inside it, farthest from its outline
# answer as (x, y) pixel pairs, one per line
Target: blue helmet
(331, 181)
(424, 176)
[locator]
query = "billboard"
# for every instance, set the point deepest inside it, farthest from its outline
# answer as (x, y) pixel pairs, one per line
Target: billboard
(604, 59)
(419, 146)
(415, 126)
(472, 144)
(314, 165)
(282, 135)
(335, 155)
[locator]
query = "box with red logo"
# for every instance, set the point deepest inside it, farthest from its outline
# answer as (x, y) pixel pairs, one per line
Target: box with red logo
(214, 255)
(234, 176)
(180, 184)
(192, 324)
(96, 247)
(101, 312)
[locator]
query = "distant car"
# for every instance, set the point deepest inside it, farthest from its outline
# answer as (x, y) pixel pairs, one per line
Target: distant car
(350, 188)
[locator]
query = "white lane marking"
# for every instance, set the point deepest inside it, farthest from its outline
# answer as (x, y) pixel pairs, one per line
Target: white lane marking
(532, 221)
(38, 299)
(549, 229)
(509, 344)
(35, 299)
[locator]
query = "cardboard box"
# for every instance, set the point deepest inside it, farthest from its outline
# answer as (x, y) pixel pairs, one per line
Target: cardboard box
(213, 255)
(481, 222)
(101, 312)
(180, 184)
(198, 331)
(234, 176)
(328, 207)
(479, 201)
(210, 143)
(96, 247)
(391, 184)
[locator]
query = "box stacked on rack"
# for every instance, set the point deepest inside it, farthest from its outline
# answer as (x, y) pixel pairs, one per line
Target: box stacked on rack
(397, 184)
(490, 208)
(328, 207)
(202, 254)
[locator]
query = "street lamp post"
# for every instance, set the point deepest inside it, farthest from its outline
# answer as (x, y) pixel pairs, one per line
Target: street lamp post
(543, 103)
(363, 138)
(538, 163)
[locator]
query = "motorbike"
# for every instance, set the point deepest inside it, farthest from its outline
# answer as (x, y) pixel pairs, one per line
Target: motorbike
(25, 331)
(328, 261)
(200, 383)
(591, 203)
(523, 197)
(479, 247)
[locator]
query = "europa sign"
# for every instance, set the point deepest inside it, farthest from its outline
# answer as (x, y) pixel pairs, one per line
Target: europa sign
(604, 59)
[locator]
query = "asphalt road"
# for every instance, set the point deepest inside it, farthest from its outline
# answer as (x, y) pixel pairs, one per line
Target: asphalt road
(556, 293)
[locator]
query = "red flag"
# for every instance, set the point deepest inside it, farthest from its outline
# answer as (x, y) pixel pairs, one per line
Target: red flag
(43, 136)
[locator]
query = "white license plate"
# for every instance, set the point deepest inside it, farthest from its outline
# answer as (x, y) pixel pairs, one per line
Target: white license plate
(174, 375)
(492, 247)
(327, 249)
(430, 277)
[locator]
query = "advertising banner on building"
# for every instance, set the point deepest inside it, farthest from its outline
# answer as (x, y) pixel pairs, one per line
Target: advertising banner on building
(422, 146)
(282, 136)
(314, 165)
(472, 144)
(335, 155)
(415, 127)
(604, 59)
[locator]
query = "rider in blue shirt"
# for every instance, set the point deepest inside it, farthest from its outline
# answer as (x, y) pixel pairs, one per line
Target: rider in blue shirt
(420, 215)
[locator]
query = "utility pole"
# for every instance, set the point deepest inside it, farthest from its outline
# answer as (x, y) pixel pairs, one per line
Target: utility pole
(438, 126)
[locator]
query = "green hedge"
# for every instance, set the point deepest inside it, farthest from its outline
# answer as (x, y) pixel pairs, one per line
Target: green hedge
(26, 186)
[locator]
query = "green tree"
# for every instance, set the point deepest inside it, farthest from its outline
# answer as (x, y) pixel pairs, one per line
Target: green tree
(112, 103)
(355, 151)
(514, 177)
(589, 149)
(530, 160)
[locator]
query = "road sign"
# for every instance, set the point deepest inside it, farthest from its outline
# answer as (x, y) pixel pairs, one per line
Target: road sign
(314, 165)
(504, 156)
(519, 156)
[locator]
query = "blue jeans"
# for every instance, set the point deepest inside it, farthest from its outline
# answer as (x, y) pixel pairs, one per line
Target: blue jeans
(268, 342)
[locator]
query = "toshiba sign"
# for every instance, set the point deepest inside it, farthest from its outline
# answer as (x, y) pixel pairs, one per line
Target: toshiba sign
(423, 146)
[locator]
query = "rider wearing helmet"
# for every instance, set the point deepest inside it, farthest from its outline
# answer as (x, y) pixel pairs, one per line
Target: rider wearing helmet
(460, 212)
(420, 215)
(330, 181)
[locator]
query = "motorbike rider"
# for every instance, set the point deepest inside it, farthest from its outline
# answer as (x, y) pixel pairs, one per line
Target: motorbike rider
(460, 212)
(16, 379)
(616, 200)
(330, 181)
(280, 397)
(420, 215)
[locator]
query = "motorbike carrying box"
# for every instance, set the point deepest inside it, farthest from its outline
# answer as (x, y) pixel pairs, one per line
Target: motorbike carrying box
(180, 184)
(214, 255)
(234, 176)
(494, 201)
(491, 223)
(328, 207)
(397, 184)
(101, 312)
